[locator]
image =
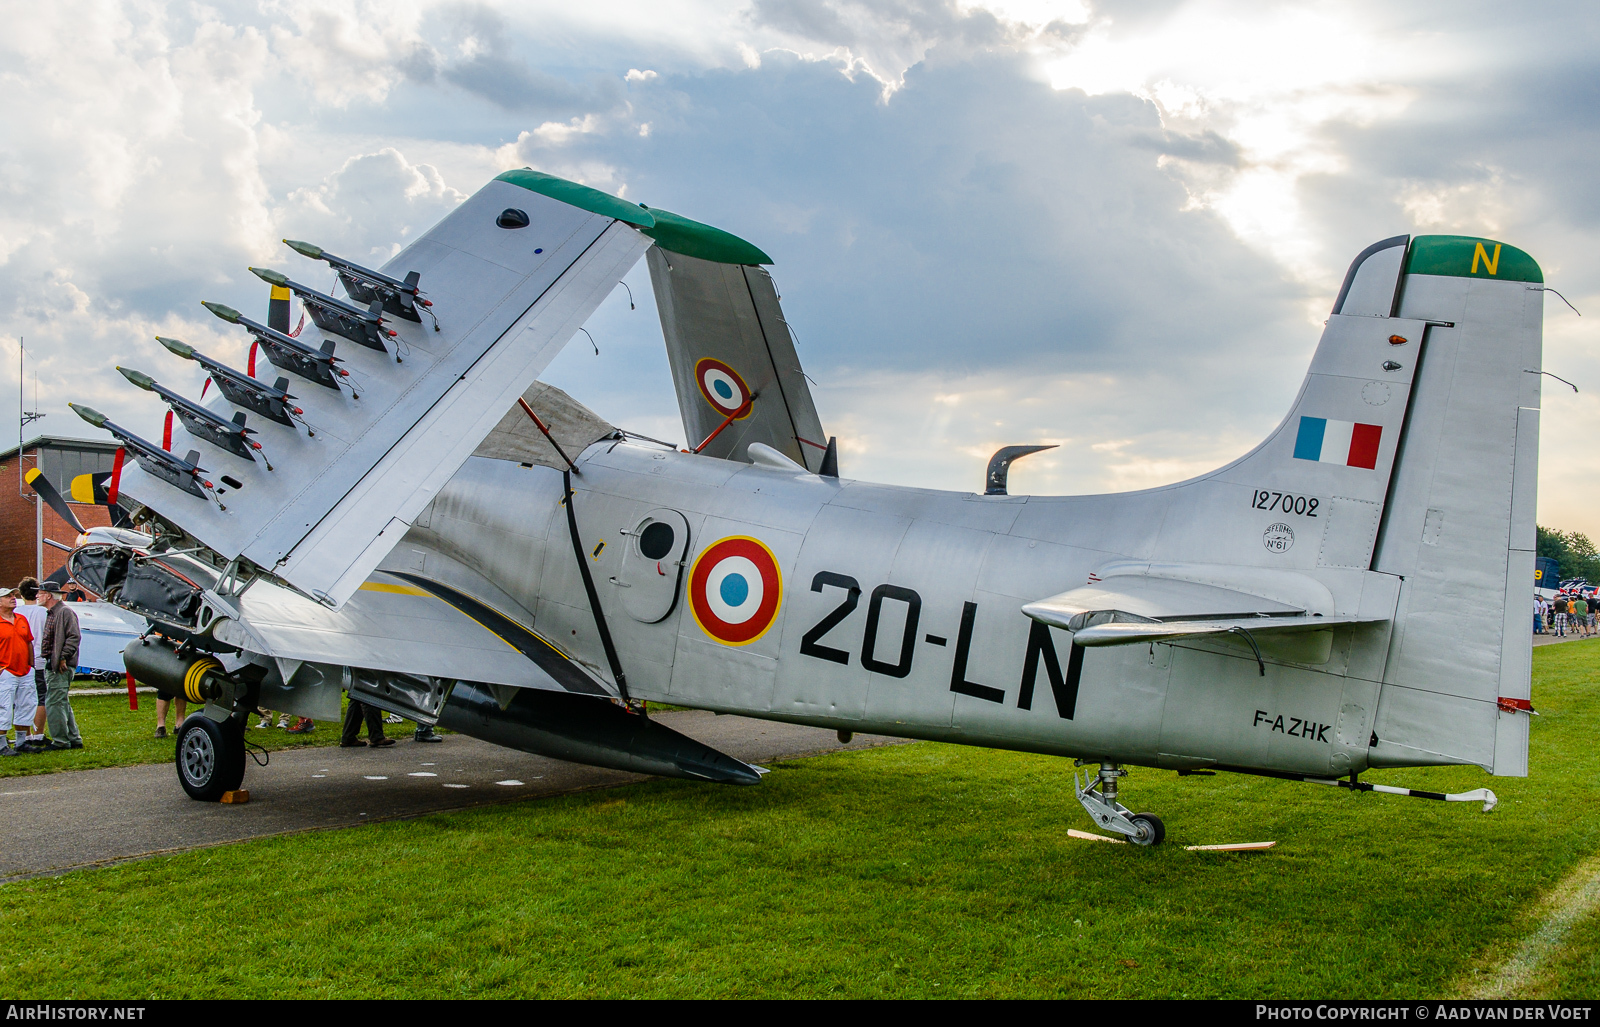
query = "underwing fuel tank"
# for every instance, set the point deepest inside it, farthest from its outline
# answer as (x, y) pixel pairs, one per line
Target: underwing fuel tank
(587, 729)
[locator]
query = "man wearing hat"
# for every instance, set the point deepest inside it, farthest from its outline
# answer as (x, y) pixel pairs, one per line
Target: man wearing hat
(60, 650)
(17, 692)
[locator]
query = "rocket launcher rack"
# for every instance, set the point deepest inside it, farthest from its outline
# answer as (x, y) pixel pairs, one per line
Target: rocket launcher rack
(294, 356)
(184, 472)
(401, 298)
(363, 326)
(240, 389)
(203, 424)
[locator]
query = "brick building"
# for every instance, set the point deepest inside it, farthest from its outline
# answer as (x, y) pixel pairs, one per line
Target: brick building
(22, 516)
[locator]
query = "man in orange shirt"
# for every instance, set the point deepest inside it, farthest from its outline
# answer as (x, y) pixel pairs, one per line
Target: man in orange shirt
(17, 692)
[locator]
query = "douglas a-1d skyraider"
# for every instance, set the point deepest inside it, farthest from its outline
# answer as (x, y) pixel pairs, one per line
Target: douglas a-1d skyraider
(442, 536)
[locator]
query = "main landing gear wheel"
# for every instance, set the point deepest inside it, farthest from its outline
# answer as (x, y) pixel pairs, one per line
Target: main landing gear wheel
(210, 757)
(1151, 830)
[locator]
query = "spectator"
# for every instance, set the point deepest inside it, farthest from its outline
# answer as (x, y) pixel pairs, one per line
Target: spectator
(162, 702)
(1538, 615)
(60, 648)
(353, 715)
(302, 725)
(17, 693)
(1561, 614)
(28, 591)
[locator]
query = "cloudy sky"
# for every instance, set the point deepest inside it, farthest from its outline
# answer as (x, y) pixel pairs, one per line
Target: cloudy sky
(1115, 225)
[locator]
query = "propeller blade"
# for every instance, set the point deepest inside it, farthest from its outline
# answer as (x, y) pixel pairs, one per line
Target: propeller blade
(52, 498)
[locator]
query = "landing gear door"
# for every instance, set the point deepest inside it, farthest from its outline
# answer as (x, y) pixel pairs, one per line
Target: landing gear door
(652, 565)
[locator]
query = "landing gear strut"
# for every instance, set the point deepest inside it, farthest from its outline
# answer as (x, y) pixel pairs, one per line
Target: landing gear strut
(1098, 794)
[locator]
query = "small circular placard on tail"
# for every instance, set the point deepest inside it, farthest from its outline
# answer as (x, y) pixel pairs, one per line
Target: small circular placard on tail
(721, 386)
(735, 588)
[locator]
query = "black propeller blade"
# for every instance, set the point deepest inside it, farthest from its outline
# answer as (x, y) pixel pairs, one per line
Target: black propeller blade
(47, 492)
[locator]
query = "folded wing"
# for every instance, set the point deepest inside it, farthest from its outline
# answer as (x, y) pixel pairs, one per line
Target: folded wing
(732, 354)
(511, 274)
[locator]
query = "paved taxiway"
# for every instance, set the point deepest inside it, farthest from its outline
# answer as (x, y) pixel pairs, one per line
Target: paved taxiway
(84, 818)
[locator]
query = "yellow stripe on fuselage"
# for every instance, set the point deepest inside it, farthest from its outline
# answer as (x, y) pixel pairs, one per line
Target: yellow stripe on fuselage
(400, 590)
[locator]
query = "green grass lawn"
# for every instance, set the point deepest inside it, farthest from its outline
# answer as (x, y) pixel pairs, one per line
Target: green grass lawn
(911, 871)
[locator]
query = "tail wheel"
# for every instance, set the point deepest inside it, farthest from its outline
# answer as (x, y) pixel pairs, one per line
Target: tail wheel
(210, 757)
(1151, 830)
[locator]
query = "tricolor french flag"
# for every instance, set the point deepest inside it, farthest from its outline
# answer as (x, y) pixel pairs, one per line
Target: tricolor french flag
(1338, 442)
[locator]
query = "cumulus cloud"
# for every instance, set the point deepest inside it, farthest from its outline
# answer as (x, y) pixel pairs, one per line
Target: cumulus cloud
(371, 207)
(1112, 225)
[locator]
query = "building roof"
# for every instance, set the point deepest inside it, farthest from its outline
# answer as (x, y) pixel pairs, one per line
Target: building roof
(61, 442)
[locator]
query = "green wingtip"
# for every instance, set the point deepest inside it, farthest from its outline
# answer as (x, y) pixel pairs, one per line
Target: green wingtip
(138, 378)
(270, 276)
(682, 235)
(305, 249)
(89, 414)
(223, 311)
(182, 349)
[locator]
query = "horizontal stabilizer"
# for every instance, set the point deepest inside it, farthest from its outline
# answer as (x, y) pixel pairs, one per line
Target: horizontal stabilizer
(1126, 608)
(1131, 632)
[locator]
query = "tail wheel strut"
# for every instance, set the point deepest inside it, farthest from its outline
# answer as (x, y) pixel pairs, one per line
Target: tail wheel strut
(1097, 792)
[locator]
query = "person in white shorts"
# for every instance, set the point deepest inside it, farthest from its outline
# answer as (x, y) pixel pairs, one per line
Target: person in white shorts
(17, 691)
(28, 593)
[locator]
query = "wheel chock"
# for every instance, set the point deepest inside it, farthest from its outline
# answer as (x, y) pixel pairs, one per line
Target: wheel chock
(238, 795)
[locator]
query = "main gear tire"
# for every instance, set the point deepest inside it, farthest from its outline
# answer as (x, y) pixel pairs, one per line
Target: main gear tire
(210, 757)
(1151, 830)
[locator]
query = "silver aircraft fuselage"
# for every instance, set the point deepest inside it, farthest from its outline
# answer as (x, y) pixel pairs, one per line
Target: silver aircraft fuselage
(899, 611)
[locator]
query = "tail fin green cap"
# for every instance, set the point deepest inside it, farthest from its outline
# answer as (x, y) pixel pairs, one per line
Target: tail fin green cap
(182, 349)
(227, 313)
(305, 249)
(138, 378)
(270, 276)
(89, 414)
(1467, 256)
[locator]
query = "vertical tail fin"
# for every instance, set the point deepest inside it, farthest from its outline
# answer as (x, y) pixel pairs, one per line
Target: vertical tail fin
(1458, 525)
(1412, 452)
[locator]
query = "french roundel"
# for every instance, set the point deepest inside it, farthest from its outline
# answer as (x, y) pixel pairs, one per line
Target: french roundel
(721, 386)
(734, 590)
